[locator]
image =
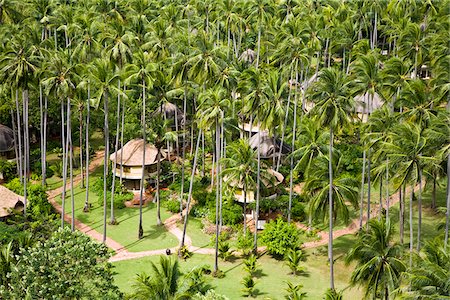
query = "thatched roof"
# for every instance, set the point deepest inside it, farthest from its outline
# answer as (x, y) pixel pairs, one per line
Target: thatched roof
(268, 145)
(133, 152)
(6, 138)
(248, 56)
(9, 201)
(168, 109)
(362, 103)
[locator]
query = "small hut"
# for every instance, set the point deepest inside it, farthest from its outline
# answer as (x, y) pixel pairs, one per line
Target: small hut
(9, 201)
(365, 105)
(269, 147)
(6, 145)
(129, 162)
(171, 112)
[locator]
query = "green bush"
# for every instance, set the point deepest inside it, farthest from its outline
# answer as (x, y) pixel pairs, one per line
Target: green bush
(8, 169)
(57, 169)
(231, 213)
(245, 242)
(119, 199)
(37, 197)
(279, 236)
(15, 186)
(173, 206)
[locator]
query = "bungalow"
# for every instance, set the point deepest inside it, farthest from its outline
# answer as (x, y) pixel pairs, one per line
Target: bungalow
(129, 162)
(9, 202)
(6, 145)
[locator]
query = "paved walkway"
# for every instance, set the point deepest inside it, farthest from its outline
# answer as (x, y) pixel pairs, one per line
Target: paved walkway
(121, 253)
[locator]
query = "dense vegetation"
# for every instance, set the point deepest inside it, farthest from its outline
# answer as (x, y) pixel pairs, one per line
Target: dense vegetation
(358, 91)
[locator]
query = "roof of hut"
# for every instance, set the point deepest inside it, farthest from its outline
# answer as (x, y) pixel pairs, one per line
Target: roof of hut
(6, 139)
(362, 103)
(9, 201)
(169, 110)
(268, 145)
(133, 153)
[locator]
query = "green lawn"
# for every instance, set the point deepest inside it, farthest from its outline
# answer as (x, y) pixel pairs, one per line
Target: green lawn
(271, 283)
(126, 232)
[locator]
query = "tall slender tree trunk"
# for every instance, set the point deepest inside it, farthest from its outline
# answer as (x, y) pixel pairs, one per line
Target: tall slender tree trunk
(285, 123)
(64, 154)
(141, 191)
(19, 159)
(158, 199)
(259, 45)
(402, 193)
(183, 152)
(411, 230)
(80, 130)
(258, 188)
(419, 203)
(88, 115)
(16, 148)
(105, 166)
(361, 203)
(433, 193)
(294, 130)
(330, 216)
(44, 143)
(216, 252)
(112, 220)
(26, 143)
(388, 200)
(447, 213)
(70, 153)
(41, 131)
(194, 166)
(121, 137)
(368, 187)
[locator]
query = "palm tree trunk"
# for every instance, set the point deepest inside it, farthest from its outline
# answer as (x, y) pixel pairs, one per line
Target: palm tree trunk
(330, 216)
(105, 166)
(41, 131)
(368, 188)
(158, 200)
(216, 252)
(411, 230)
(16, 148)
(219, 174)
(141, 191)
(291, 187)
(259, 44)
(19, 133)
(80, 120)
(433, 193)
(44, 143)
(258, 188)
(69, 139)
(183, 152)
(402, 193)
(419, 225)
(194, 165)
(284, 125)
(112, 220)
(380, 200)
(388, 200)
(447, 213)
(88, 115)
(363, 175)
(121, 137)
(26, 148)
(64, 154)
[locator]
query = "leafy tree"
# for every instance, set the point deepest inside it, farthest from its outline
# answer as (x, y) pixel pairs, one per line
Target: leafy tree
(279, 236)
(378, 259)
(294, 292)
(68, 265)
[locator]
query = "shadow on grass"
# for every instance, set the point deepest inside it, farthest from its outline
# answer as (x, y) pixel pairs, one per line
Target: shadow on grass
(155, 232)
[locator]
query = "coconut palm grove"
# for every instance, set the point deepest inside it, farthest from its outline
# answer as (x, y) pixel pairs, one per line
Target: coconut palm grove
(224, 149)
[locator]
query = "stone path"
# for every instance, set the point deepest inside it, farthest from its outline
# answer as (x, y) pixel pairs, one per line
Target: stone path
(121, 253)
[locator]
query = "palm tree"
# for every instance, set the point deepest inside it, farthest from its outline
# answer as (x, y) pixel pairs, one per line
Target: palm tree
(428, 279)
(103, 78)
(333, 106)
(159, 136)
(164, 283)
(239, 166)
(19, 63)
(378, 260)
(141, 72)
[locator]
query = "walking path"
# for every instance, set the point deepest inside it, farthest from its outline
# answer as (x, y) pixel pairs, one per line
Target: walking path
(121, 253)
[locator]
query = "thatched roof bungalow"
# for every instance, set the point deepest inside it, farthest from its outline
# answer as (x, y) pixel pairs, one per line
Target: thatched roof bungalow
(9, 201)
(129, 161)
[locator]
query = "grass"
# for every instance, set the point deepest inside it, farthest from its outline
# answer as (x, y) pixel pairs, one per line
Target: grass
(126, 232)
(271, 281)
(195, 231)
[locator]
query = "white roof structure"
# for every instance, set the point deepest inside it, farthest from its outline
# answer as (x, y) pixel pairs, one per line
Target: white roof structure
(133, 153)
(268, 147)
(364, 105)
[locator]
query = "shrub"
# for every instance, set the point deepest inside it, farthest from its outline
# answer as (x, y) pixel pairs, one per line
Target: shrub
(15, 186)
(251, 265)
(293, 258)
(249, 286)
(184, 252)
(8, 169)
(119, 199)
(209, 295)
(57, 169)
(245, 242)
(173, 206)
(231, 213)
(225, 251)
(279, 236)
